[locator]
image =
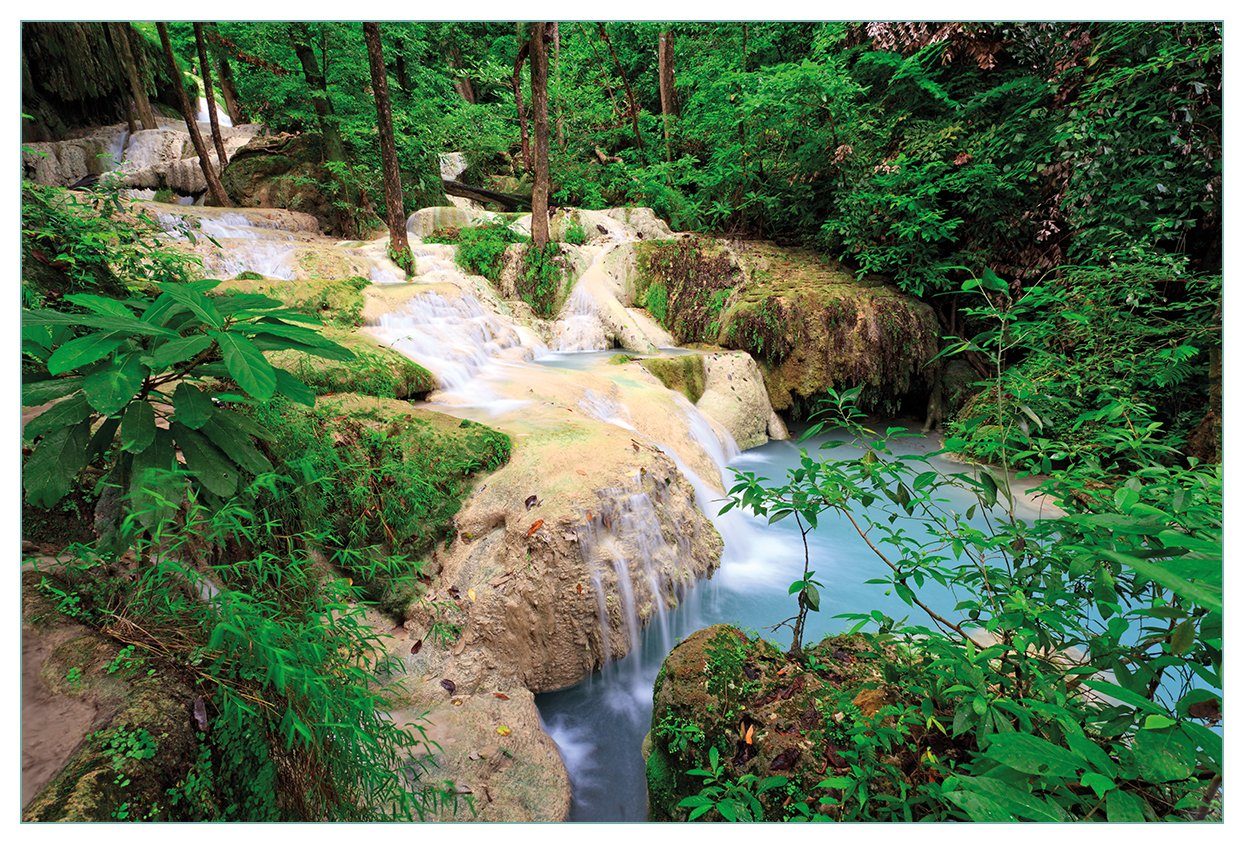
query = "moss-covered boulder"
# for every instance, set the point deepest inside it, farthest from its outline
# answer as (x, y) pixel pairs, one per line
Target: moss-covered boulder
(765, 714)
(378, 473)
(334, 301)
(683, 373)
(106, 734)
(810, 323)
(375, 370)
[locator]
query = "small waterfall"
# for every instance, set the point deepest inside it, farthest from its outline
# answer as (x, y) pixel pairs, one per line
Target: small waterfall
(579, 327)
(453, 336)
(604, 409)
(628, 556)
(204, 116)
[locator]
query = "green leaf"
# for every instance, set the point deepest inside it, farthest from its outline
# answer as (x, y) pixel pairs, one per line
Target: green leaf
(237, 446)
(50, 470)
(35, 393)
(1031, 754)
(100, 305)
(1164, 755)
(153, 489)
(247, 365)
(60, 415)
(212, 469)
(1123, 807)
(137, 427)
(198, 304)
(812, 597)
(1099, 783)
(176, 351)
(111, 388)
(191, 406)
(81, 351)
(293, 389)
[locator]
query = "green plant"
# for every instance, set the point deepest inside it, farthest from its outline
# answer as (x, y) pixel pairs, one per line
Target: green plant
(1127, 582)
(732, 799)
(575, 234)
(541, 279)
(481, 249)
(172, 358)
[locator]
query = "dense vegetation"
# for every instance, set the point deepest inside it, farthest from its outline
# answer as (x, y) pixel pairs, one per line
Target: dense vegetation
(229, 485)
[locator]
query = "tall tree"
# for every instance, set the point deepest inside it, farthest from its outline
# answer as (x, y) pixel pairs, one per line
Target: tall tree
(233, 103)
(516, 82)
(121, 36)
(665, 69)
(214, 188)
(399, 247)
(540, 120)
(205, 70)
(557, 85)
(334, 149)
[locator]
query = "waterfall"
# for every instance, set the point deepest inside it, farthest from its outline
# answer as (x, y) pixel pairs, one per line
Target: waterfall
(454, 337)
(579, 328)
(204, 116)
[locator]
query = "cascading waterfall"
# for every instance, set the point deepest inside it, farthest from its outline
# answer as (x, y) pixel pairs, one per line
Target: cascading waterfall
(579, 327)
(455, 338)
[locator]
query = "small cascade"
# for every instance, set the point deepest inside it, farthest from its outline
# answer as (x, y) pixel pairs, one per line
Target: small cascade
(604, 409)
(579, 328)
(204, 116)
(628, 556)
(454, 337)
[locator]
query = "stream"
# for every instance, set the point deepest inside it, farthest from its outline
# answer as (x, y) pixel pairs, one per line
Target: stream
(599, 725)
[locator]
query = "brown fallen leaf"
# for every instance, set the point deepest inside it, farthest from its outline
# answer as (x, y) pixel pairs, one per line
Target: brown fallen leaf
(417, 646)
(535, 526)
(503, 730)
(471, 594)
(747, 736)
(449, 686)
(531, 501)
(500, 695)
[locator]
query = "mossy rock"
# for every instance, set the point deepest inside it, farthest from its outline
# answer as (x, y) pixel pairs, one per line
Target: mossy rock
(766, 714)
(810, 322)
(336, 301)
(376, 370)
(684, 373)
(380, 476)
(142, 741)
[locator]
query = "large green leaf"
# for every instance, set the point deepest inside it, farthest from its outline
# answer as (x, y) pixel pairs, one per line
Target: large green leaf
(212, 469)
(195, 301)
(52, 467)
(112, 387)
(60, 415)
(191, 406)
(237, 445)
(137, 427)
(35, 393)
(154, 491)
(100, 305)
(176, 351)
(84, 350)
(1033, 755)
(1164, 755)
(246, 364)
(293, 389)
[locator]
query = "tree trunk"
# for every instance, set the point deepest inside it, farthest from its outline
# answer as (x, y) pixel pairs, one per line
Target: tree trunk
(540, 119)
(141, 103)
(669, 96)
(462, 84)
(399, 66)
(214, 188)
(632, 104)
(399, 247)
(205, 68)
(334, 150)
(557, 65)
(233, 104)
(516, 82)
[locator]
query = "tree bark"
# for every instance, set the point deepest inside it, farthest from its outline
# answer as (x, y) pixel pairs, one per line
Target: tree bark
(233, 103)
(632, 104)
(540, 119)
(669, 95)
(139, 91)
(516, 82)
(399, 247)
(205, 68)
(214, 188)
(334, 150)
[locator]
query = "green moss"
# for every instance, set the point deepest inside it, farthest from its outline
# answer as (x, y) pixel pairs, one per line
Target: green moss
(684, 373)
(379, 477)
(376, 370)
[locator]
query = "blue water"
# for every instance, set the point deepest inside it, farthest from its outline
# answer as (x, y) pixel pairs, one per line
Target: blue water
(599, 725)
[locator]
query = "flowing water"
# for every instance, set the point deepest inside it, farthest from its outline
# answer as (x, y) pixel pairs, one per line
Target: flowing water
(599, 725)
(488, 365)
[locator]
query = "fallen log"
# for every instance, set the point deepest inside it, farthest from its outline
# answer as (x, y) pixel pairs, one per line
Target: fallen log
(508, 201)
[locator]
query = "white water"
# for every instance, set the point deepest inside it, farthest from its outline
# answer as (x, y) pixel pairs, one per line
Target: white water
(204, 116)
